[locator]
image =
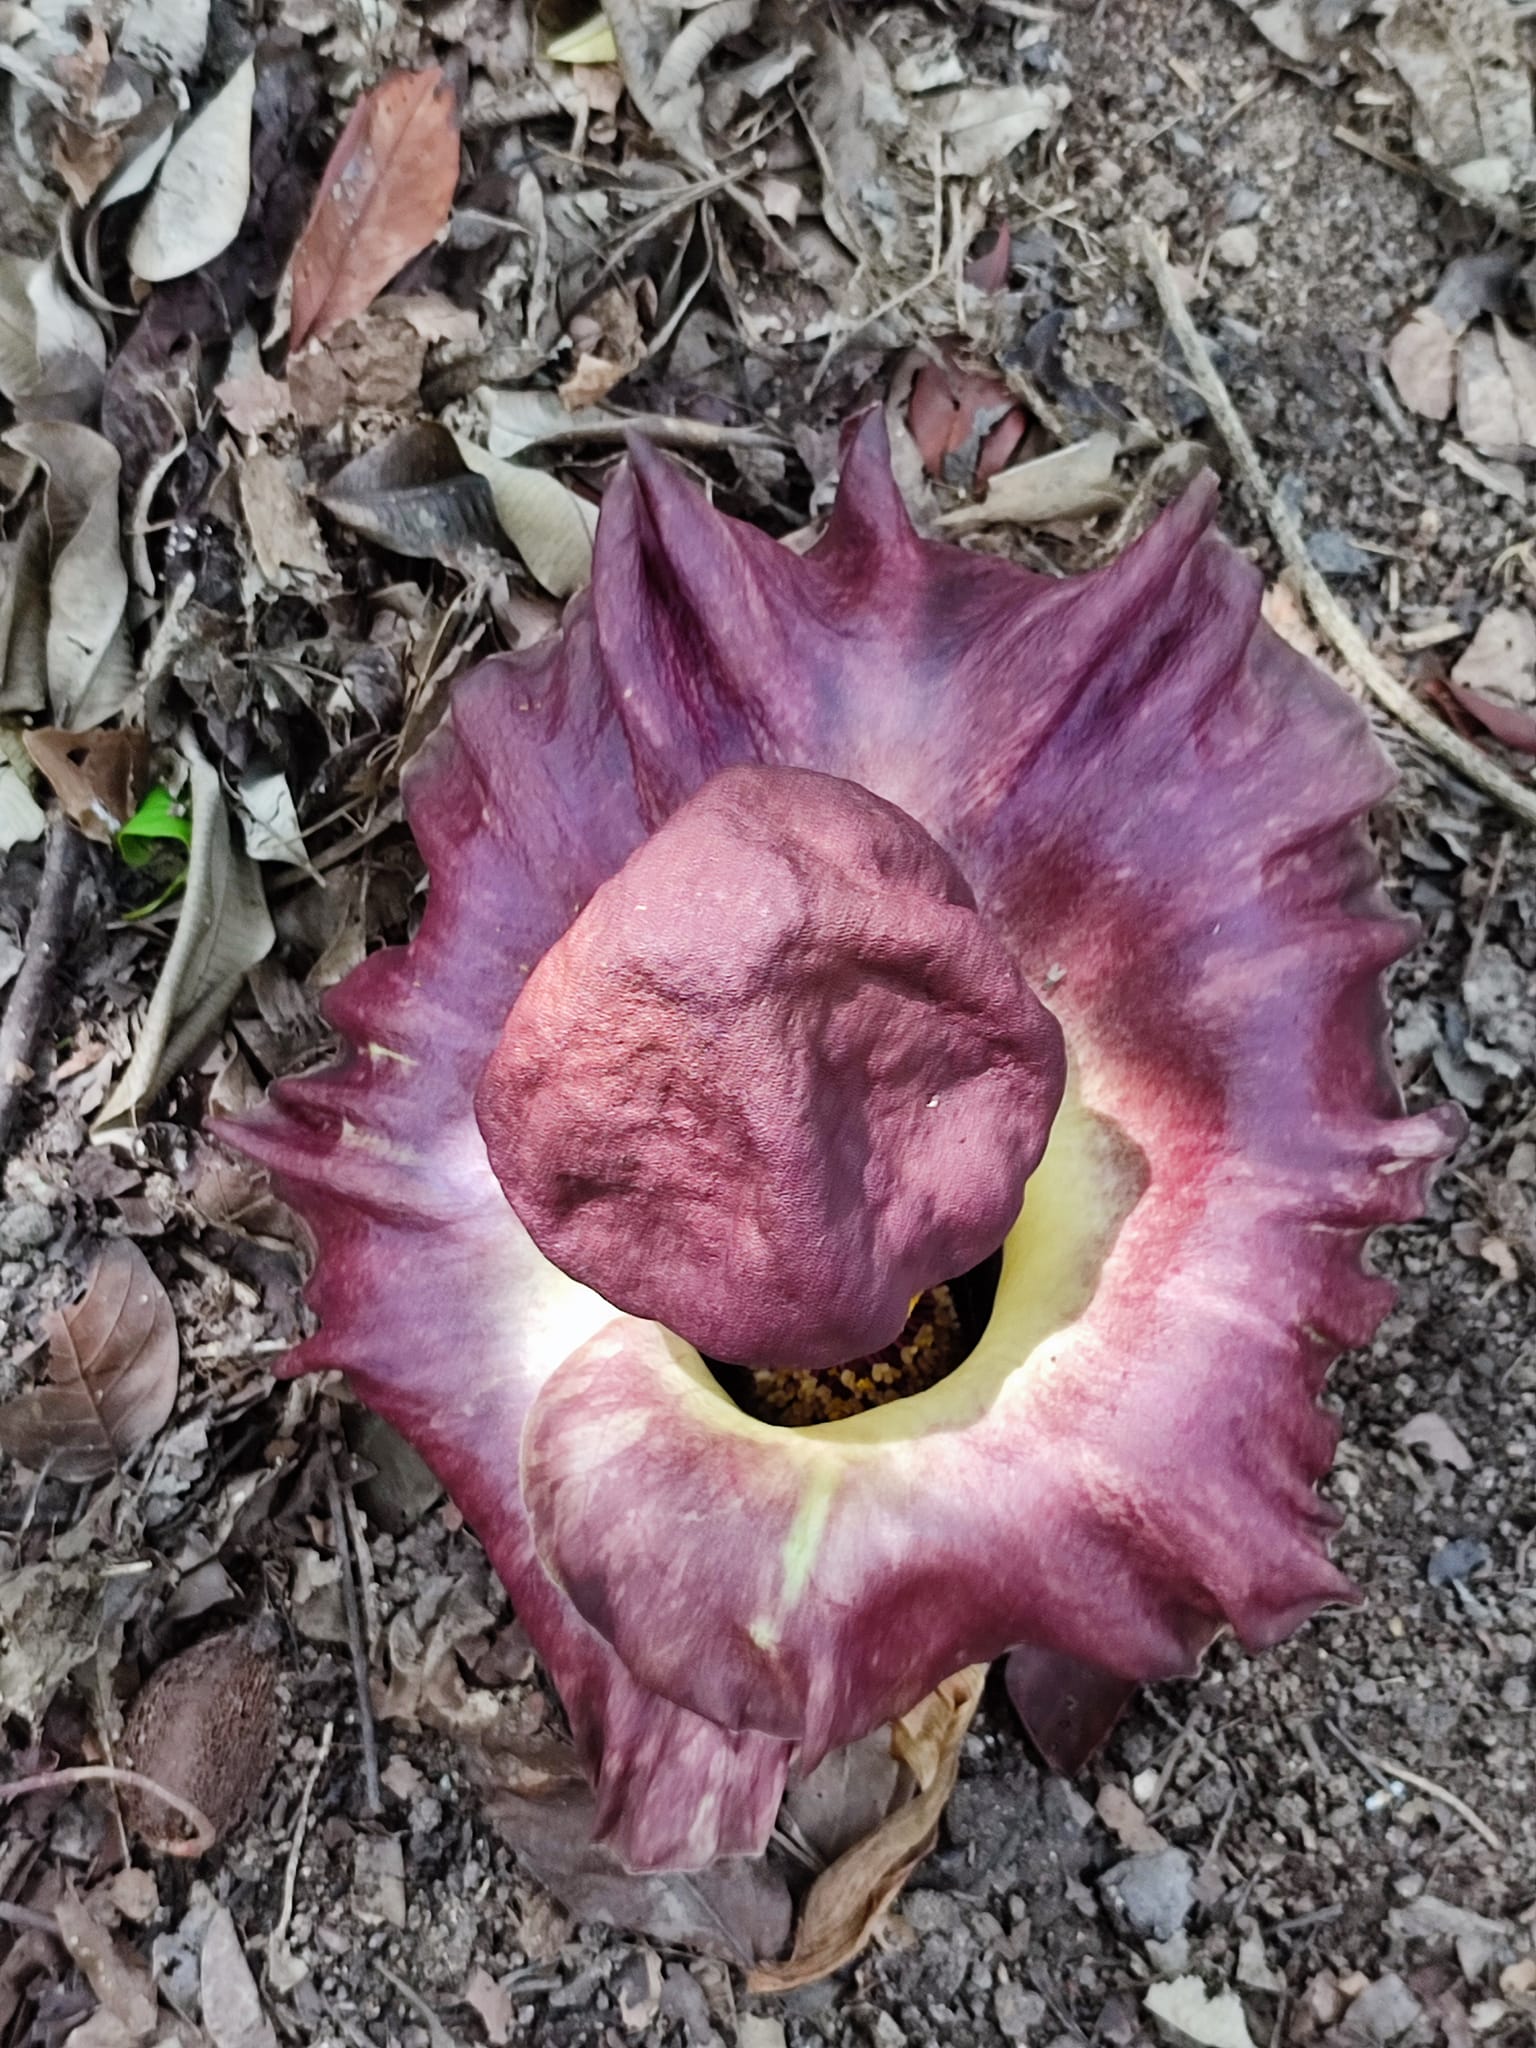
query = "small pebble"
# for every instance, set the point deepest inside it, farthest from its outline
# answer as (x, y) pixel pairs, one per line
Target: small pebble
(1162, 198)
(25, 1226)
(1457, 1559)
(1238, 248)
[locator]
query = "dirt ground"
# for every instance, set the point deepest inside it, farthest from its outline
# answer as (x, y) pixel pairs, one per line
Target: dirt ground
(1345, 1828)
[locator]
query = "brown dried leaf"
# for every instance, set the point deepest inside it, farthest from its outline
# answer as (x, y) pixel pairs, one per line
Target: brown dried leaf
(205, 1727)
(112, 1364)
(848, 1901)
(414, 495)
(384, 197)
(98, 777)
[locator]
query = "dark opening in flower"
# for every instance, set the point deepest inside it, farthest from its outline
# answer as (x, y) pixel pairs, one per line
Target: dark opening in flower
(777, 1079)
(757, 1061)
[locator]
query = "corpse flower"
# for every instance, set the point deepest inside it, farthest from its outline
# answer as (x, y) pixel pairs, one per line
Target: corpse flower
(810, 934)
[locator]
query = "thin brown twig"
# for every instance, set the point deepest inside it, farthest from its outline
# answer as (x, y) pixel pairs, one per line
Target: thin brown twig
(341, 1538)
(203, 1836)
(279, 1932)
(47, 939)
(1387, 1767)
(1329, 616)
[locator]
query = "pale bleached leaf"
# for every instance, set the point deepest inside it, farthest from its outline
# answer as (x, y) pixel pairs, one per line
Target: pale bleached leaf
(221, 932)
(90, 668)
(1075, 482)
(200, 197)
(21, 818)
(52, 355)
(269, 817)
(550, 526)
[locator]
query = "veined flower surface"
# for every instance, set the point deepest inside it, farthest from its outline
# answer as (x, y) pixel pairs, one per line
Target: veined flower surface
(1156, 808)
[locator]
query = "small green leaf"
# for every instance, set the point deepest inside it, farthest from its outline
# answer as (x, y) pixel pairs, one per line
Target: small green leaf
(156, 820)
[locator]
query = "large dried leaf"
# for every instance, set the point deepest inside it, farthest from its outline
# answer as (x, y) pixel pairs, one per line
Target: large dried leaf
(849, 1899)
(384, 197)
(222, 931)
(52, 356)
(1461, 60)
(414, 495)
(112, 1366)
(661, 46)
(200, 197)
(90, 670)
(52, 1616)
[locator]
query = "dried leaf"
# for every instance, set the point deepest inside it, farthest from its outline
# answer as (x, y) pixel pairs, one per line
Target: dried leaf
(414, 495)
(1431, 1433)
(1509, 725)
(232, 2010)
(222, 931)
(736, 1909)
(1205, 2019)
(51, 1619)
(1421, 361)
(52, 356)
(200, 197)
(90, 669)
(384, 196)
(270, 817)
(980, 125)
(120, 1981)
(845, 1798)
(21, 816)
(1075, 482)
(848, 1901)
(661, 47)
(1306, 31)
(113, 1359)
(205, 1727)
(283, 531)
(1462, 62)
(550, 526)
(1502, 478)
(1501, 657)
(1495, 410)
(168, 36)
(98, 777)
(24, 617)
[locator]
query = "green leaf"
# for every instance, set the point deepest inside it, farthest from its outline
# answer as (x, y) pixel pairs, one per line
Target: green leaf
(156, 820)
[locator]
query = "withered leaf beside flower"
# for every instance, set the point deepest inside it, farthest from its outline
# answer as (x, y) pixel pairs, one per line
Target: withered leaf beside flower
(782, 1060)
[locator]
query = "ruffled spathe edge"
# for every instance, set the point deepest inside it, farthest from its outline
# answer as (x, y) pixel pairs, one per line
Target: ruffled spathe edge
(1158, 805)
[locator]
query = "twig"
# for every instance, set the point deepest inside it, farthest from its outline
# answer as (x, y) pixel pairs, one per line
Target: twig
(26, 1919)
(341, 1537)
(437, 2033)
(296, 1847)
(203, 1836)
(1330, 617)
(665, 431)
(1388, 1767)
(47, 938)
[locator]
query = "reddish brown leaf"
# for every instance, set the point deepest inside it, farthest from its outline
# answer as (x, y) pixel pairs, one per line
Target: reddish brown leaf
(99, 777)
(1507, 722)
(112, 1364)
(383, 198)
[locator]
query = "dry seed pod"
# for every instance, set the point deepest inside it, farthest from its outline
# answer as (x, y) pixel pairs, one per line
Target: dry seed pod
(205, 1727)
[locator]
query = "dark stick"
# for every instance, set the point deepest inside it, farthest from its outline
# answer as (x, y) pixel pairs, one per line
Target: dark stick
(47, 937)
(342, 1543)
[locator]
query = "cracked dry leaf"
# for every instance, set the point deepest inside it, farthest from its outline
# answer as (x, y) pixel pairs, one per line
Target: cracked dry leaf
(384, 196)
(89, 667)
(850, 1898)
(113, 1359)
(52, 355)
(200, 197)
(1462, 63)
(221, 933)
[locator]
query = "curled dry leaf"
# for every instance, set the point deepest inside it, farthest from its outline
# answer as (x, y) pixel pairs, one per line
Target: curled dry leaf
(384, 196)
(414, 495)
(1075, 482)
(112, 1365)
(52, 356)
(98, 777)
(222, 931)
(847, 1902)
(199, 200)
(205, 1727)
(89, 666)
